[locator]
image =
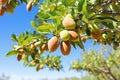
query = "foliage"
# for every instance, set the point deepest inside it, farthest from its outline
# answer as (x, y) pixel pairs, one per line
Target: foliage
(97, 64)
(98, 20)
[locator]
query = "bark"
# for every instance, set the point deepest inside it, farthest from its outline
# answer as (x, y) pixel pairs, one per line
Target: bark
(107, 72)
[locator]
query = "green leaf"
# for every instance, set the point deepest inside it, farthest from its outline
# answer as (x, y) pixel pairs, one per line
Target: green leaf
(21, 37)
(54, 17)
(33, 24)
(84, 7)
(84, 18)
(74, 45)
(11, 53)
(28, 40)
(14, 38)
(80, 42)
(80, 5)
(68, 2)
(43, 15)
(88, 31)
(45, 27)
(103, 18)
(109, 25)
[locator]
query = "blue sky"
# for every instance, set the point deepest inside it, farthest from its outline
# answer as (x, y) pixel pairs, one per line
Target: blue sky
(20, 22)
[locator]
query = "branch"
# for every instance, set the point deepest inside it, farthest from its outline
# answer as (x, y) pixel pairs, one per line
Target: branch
(110, 13)
(102, 70)
(108, 72)
(102, 4)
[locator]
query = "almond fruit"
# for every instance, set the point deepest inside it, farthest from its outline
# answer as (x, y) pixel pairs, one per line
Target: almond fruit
(53, 44)
(68, 22)
(3, 1)
(21, 51)
(19, 57)
(29, 6)
(65, 48)
(2, 10)
(64, 35)
(73, 35)
(44, 47)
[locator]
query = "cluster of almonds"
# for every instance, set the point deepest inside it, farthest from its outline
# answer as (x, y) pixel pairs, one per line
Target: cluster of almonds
(2, 9)
(8, 7)
(32, 47)
(67, 35)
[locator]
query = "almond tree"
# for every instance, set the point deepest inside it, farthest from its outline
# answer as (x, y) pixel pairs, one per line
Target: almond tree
(64, 23)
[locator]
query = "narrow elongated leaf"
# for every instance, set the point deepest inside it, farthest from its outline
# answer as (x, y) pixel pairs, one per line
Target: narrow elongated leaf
(11, 53)
(33, 24)
(80, 42)
(28, 40)
(21, 37)
(14, 38)
(84, 7)
(54, 17)
(43, 15)
(45, 27)
(103, 18)
(80, 5)
(68, 2)
(88, 31)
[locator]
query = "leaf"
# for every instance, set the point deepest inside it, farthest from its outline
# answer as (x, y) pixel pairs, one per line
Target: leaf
(43, 15)
(88, 31)
(74, 45)
(21, 37)
(28, 40)
(11, 53)
(80, 42)
(84, 18)
(68, 2)
(103, 18)
(80, 5)
(14, 38)
(84, 7)
(109, 25)
(45, 27)
(54, 17)
(73, 12)
(33, 24)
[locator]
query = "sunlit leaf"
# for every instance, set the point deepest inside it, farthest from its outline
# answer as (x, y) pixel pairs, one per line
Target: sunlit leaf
(68, 2)
(11, 53)
(45, 27)
(33, 24)
(80, 5)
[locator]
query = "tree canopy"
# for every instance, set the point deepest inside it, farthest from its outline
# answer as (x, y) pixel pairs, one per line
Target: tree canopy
(67, 23)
